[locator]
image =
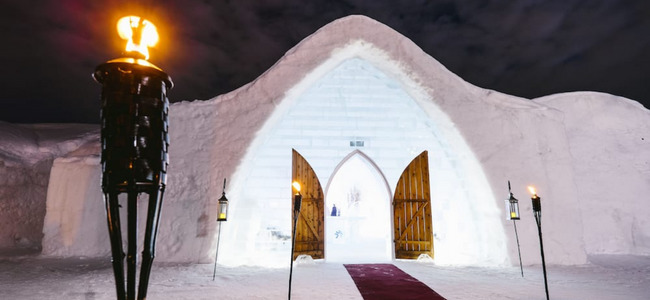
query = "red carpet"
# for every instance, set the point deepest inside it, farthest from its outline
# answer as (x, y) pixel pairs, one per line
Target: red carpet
(386, 281)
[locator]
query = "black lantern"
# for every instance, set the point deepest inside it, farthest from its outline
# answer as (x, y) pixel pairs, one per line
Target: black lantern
(222, 208)
(537, 211)
(222, 215)
(512, 210)
(512, 206)
(135, 142)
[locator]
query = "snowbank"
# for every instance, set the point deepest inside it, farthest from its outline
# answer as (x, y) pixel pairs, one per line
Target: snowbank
(26, 155)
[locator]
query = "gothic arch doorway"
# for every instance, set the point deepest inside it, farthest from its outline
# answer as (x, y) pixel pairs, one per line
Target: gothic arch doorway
(357, 206)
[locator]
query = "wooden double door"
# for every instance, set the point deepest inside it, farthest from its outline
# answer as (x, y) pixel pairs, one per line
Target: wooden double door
(412, 234)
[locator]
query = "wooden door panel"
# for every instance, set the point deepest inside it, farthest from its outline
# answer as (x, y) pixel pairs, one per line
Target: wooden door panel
(310, 233)
(412, 211)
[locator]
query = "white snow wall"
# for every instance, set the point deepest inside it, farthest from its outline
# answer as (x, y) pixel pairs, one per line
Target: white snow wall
(73, 227)
(609, 137)
(511, 139)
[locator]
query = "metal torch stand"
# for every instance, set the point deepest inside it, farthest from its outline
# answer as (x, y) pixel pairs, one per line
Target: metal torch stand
(216, 253)
(538, 219)
(135, 141)
(514, 223)
(296, 213)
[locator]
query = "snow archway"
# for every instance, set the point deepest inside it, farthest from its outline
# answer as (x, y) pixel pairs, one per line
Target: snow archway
(358, 217)
(360, 99)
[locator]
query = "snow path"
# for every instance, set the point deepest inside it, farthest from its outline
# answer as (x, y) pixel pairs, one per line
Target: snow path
(609, 277)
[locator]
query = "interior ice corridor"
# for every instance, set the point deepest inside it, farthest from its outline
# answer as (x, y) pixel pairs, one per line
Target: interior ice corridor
(358, 213)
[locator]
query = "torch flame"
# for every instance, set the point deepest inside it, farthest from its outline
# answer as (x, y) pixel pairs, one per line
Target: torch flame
(531, 189)
(296, 185)
(139, 33)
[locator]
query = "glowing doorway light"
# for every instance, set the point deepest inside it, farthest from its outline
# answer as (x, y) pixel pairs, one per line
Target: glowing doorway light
(140, 34)
(361, 229)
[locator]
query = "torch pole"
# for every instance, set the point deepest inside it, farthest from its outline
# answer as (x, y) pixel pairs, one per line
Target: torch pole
(216, 254)
(514, 223)
(296, 213)
(541, 247)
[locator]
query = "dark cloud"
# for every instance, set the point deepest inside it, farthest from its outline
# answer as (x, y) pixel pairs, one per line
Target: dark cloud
(524, 48)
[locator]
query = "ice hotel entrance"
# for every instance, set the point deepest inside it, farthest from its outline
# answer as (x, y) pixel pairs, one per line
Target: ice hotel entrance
(359, 220)
(357, 125)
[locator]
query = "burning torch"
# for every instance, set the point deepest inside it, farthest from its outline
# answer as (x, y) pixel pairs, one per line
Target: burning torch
(135, 143)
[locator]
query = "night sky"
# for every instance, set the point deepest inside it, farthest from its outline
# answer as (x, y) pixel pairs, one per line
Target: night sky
(523, 48)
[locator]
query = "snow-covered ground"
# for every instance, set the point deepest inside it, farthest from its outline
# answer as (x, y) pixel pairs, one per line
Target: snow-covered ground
(606, 277)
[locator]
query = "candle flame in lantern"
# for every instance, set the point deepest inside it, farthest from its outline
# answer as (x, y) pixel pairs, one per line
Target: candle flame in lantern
(139, 33)
(296, 186)
(531, 189)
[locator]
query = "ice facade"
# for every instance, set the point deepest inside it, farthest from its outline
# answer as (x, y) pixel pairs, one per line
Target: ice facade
(356, 107)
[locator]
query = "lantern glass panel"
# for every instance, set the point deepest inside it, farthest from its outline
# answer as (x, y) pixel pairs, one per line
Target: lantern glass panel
(222, 210)
(512, 209)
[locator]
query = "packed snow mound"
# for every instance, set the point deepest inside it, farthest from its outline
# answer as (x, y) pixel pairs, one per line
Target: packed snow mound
(587, 151)
(19, 144)
(26, 155)
(609, 139)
